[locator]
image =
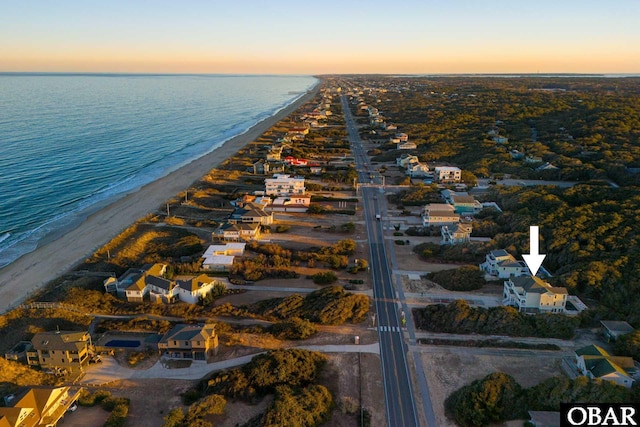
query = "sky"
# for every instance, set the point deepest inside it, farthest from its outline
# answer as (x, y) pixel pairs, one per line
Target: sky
(320, 37)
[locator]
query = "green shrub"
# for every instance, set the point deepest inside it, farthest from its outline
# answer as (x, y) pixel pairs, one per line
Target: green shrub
(467, 278)
(282, 228)
(91, 399)
(400, 242)
(294, 329)
(324, 278)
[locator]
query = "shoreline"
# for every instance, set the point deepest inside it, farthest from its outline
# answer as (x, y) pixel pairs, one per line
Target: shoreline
(62, 252)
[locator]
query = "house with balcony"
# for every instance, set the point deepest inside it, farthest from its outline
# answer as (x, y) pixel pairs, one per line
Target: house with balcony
(418, 170)
(265, 167)
(530, 294)
(447, 174)
(38, 406)
(502, 264)
(284, 185)
(406, 159)
(60, 350)
(596, 363)
(439, 214)
(250, 213)
(456, 234)
(228, 232)
(195, 342)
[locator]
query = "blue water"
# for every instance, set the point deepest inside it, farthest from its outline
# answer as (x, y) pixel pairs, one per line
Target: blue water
(68, 142)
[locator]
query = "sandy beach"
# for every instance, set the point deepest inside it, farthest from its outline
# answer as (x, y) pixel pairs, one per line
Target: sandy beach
(21, 278)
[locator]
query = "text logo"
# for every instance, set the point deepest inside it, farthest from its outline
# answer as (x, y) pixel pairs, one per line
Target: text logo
(599, 414)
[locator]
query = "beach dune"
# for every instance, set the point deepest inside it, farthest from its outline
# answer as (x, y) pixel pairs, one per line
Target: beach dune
(53, 258)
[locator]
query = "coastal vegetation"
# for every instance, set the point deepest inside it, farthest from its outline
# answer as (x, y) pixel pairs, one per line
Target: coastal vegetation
(498, 397)
(466, 278)
(460, 318)
(291, 376)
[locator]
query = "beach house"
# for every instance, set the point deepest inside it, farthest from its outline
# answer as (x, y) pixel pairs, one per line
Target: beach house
(284, 185)
(192, 289)
(447, 174)
(221, 257)
(38, 406)
(456, 234)
(502, 264)
(596, 363)
(439, 214)
(62, 350)
(195, 342)
(530, 294)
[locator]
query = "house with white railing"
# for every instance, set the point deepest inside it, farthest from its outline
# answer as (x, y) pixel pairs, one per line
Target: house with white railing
(530, 294)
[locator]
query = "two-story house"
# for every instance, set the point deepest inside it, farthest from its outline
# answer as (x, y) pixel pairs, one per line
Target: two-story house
(65, 350)
(530, 294)
(465, 204)
(405, 159)
(594, 362)
(196, 342)
(502, 264)
(192, 289)
(456, 234)
(439, 214)
(249, 213)
(228, 232)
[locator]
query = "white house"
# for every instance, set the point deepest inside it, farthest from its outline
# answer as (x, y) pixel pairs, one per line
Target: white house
(406, 159)
(530, 294)
(220, 257)
(456, 234)
(291, 204)
(594, 362)
(439, 214)
(503, 265)
(137, 281)
(417, 169)
(448, 174)
(190, 290)
(284, 185)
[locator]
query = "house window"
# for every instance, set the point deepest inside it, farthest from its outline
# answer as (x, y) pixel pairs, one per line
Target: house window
(186, 343)
(175, 343)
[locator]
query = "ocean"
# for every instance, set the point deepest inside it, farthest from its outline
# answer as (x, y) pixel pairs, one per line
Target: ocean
(69, 142)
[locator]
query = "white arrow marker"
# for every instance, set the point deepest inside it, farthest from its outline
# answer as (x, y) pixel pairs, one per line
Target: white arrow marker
(534, 259)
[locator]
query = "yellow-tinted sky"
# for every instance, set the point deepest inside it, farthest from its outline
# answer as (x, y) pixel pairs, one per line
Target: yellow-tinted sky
(299, 37)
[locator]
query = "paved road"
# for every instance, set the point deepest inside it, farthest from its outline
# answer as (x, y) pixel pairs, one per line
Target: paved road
(399, 397)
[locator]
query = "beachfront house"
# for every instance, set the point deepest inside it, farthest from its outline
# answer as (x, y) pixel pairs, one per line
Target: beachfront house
(530, 294)
(60, 350)
(447, 174)
(456, 234)
(418, 170)
(596, 363)
(502, 264)
(38, 406)
(195, 342)
(439, 214)
(284, 185)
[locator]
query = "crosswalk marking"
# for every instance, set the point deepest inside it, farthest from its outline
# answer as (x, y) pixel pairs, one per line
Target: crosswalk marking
(390, 329)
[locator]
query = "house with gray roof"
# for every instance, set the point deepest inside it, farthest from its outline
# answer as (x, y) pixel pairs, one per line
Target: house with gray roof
(502, 264)
(530, 294)
(614, 329)
(596, 363)
(195, 342)
(63, 350)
